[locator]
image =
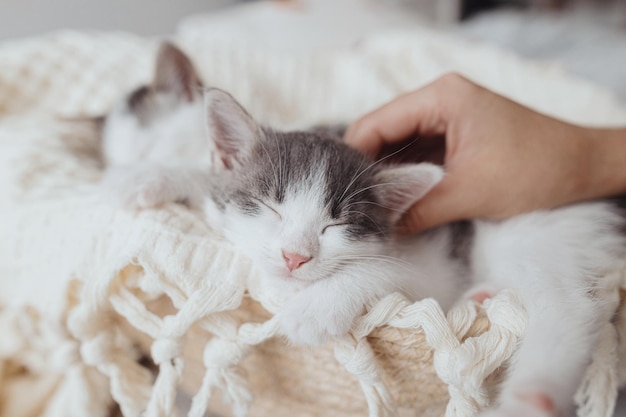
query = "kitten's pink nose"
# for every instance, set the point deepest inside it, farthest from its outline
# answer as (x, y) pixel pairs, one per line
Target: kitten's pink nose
(294, 260)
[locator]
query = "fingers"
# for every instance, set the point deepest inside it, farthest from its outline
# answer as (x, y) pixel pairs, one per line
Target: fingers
(419, 149)
(426, 119)
(426, 112)
(443, 204)
(408, 115)
(426, 213)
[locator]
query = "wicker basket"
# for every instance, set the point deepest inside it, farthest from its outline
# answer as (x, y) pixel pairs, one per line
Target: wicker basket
(301, 381)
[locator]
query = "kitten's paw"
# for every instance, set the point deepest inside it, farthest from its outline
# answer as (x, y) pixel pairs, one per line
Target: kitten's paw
(136, 190)
(530, 404)
(480, 293)
(146, 196)
(303, 330)
(313, 324)
(131, 196)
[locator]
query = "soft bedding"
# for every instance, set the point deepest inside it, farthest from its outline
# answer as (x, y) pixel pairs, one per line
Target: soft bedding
(86, 290)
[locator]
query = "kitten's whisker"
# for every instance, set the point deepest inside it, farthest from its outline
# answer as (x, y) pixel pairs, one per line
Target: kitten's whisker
(374, 164)
(384, 258)
(373, 203)
(355, 176)
(281, 158)
(279, 176)
(370, 187)
(380, 277)
(390, 259)
(270, 160)
(369, 217)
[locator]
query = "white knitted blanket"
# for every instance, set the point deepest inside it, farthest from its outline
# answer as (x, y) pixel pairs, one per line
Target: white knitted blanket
(71, 267)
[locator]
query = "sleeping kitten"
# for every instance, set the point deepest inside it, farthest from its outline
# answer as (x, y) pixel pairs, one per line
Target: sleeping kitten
(140, 127)
(157, 127)
(317, 218)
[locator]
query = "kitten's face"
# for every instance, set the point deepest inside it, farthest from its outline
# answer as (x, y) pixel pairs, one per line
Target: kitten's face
(301, 210)
(302, 205)
(161, 122)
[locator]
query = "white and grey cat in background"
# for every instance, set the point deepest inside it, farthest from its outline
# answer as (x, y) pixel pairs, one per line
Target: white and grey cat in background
(317, 218)
(156, 128)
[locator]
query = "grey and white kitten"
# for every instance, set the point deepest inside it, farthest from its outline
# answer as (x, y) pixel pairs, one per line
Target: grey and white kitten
(317, 219)
(156, 128)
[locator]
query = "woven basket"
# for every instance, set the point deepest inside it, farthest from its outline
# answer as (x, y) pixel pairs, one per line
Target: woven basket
(302, 381)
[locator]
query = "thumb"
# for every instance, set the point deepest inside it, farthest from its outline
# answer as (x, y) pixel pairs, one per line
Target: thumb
(443, 204)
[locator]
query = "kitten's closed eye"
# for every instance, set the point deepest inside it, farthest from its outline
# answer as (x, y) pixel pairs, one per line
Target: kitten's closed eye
(264, 204)
(333, 225)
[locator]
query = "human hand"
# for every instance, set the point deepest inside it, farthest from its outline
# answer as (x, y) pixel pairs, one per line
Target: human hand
(501, 158)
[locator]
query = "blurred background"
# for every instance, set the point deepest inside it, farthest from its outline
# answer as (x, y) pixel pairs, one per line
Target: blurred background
(157, 17)
(145, 17)
(587, 37)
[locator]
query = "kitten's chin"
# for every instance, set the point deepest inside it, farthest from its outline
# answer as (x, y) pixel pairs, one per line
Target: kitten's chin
(280, 275)
(291, 277)
(295, 278)
(298, 278)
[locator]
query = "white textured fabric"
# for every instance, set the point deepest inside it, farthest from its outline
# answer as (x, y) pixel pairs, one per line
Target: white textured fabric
(70, 264)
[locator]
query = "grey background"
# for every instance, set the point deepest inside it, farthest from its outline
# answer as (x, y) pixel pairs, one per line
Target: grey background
(144, 17)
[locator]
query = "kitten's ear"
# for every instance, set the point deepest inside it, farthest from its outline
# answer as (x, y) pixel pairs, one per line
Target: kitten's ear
(403, 185)
(231, 128)
(175, 73)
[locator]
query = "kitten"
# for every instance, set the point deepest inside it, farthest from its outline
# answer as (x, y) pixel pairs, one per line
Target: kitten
(155, 128)
(317, 219)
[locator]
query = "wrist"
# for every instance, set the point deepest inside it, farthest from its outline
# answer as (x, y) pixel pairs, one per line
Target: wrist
(605, 163)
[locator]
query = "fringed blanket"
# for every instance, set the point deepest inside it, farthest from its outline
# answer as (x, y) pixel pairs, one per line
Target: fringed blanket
(100, 307)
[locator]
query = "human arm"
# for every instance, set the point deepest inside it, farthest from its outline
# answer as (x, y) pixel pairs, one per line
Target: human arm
(501, 158)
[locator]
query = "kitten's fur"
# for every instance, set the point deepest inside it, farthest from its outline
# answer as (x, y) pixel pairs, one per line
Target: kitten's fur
(317, 219)
(137, 135)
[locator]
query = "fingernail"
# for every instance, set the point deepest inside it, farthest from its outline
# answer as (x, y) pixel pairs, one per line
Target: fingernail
(404, 229)
(347, 137)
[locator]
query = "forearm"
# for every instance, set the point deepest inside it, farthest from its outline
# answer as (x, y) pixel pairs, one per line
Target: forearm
(606, 165)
